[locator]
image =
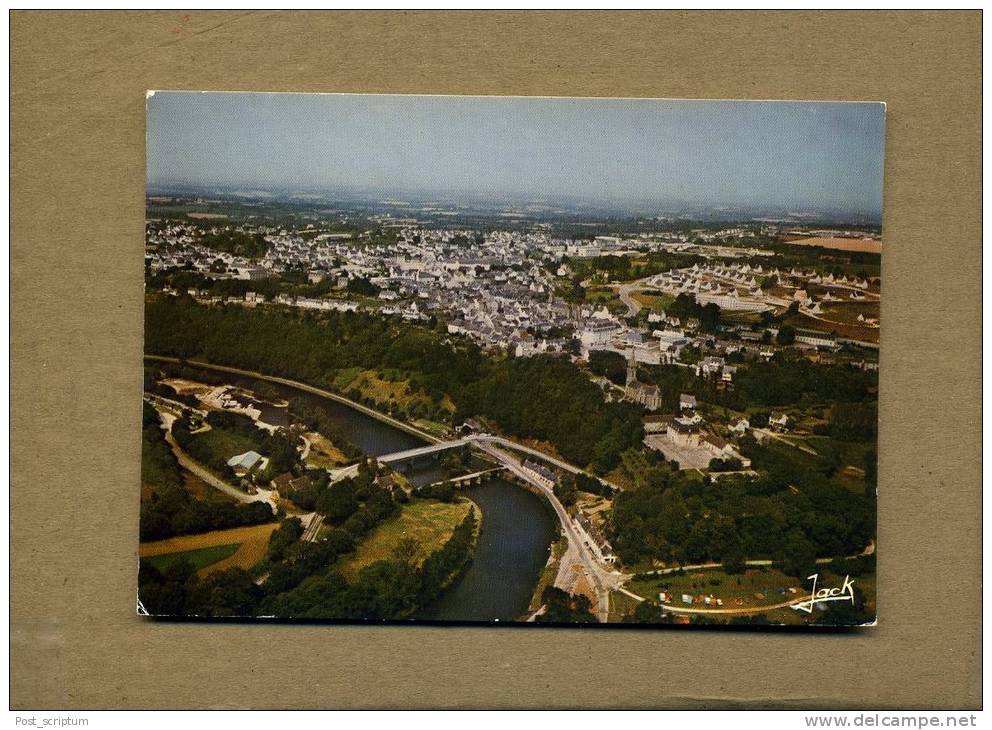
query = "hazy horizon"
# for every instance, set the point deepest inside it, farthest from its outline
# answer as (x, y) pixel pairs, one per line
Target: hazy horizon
(804, 155)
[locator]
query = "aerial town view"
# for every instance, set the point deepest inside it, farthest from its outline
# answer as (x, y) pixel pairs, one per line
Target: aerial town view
(526, 360)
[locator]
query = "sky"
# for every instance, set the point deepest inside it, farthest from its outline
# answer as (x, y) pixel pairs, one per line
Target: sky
(806, 155)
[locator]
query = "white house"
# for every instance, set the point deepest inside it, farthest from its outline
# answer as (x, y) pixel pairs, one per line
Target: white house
(740, 428)
(246, 462)
(778, 421)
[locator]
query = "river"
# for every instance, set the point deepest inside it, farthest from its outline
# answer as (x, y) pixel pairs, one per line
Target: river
(518, 526)
(513, 548)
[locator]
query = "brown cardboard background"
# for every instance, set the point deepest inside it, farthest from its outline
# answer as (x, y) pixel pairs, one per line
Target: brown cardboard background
(77, 176)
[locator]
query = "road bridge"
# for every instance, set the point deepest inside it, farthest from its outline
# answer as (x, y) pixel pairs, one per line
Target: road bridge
(400, 456)
(476, 477)
(580, 555)
(420, 451)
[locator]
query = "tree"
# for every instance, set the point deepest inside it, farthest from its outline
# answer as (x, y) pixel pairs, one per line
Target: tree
(786, 335)
(609, 364)
(338, 501)
(647, 612)
(288, 533)
(565, 490)
(709, 318)
(797, 557)
(733, 559)
(562, 607)
(845, 613)
(362, 286)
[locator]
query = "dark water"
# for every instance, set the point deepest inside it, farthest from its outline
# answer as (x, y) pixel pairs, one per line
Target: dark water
(369, 434)
(517, 532)
(518, 527)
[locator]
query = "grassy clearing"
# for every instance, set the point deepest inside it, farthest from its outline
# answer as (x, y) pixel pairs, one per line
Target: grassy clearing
(323, 453)
(656, 302)
(599, 296)
(751, 589)
(433, 427)
(388, 388)
(620, 605)
(199, 558)
(421, 529)
(224, 444)
(629, 474)
(847, 312)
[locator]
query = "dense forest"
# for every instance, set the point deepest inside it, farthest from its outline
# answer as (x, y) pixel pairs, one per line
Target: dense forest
(542, 397)
(792, 514)
(787, 379)
(302, 579)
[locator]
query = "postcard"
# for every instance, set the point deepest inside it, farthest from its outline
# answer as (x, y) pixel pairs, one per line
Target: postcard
(464, 360)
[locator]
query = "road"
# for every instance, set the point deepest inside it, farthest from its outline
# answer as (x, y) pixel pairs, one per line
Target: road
(626, 291)
(196, 469)
(772, 435)
(602, 578)
(534, 452)
(736, 611)
(313, 522)
(309, 389)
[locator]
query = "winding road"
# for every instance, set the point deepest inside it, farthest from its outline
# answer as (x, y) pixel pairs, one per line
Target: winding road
(602, 579)
(626, 291)
(198, 470)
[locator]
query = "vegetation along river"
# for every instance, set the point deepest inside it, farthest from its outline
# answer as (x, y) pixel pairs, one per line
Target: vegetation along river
(518, 527)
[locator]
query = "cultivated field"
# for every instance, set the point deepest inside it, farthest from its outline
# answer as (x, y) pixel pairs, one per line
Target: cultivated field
(251, 542)
(426, 525)
(841, 244)
(207, 216)
(654, 301)
(198, 558)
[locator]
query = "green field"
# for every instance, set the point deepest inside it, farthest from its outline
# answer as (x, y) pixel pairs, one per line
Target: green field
(419, 530)
(736, 591)
(199, 558)
(222, 444)
(655, 301)
(620, 606)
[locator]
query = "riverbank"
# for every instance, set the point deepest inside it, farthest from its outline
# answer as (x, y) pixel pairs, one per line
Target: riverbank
(510, 544)
(330, 395)
(510, 552)
(459, 573)
(547, 578)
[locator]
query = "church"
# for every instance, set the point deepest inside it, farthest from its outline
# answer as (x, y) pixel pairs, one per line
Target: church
(647, 395)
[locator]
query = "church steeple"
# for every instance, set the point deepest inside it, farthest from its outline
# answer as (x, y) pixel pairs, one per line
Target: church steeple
(631, 367)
